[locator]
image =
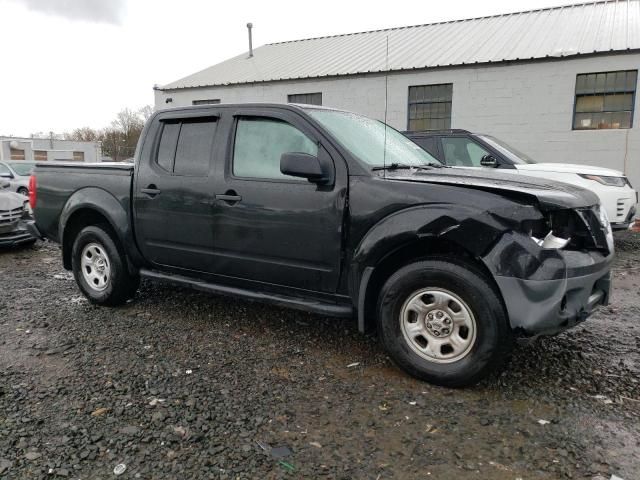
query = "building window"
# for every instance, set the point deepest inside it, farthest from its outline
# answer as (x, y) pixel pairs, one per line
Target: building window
(430, 107)
(605, 100)
(78, 156)
(16, 153)
(40, 155)
(210, 101)
(306, 98)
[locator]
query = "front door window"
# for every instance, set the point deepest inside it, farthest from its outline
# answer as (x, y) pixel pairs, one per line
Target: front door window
(462, 152)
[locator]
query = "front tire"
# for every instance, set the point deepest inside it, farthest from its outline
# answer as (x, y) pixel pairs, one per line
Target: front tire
(99, 267)
(441, 321)
(23, 191)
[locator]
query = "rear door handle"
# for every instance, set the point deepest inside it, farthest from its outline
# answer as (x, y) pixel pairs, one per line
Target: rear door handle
(151, 190)
(230, 197)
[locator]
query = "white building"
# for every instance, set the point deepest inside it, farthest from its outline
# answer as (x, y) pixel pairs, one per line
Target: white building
(48, 149)
(557, 83)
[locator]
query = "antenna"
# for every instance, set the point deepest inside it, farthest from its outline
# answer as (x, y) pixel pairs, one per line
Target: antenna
(386, 106)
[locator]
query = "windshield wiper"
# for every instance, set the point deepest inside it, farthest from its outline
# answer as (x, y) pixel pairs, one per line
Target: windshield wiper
(398, 166)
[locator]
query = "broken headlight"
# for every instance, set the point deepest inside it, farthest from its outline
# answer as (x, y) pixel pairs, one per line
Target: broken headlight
(583, 229)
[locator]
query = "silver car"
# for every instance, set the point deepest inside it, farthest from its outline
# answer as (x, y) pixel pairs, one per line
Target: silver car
(17, 172)
(16, 222)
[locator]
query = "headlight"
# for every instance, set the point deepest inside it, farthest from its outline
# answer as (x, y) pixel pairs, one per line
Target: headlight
(609, 181)
(552, 242)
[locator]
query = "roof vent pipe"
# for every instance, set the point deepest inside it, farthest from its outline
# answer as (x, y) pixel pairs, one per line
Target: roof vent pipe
(249, 27)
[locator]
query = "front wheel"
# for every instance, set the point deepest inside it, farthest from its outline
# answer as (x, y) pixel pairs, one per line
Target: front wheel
(23, 191)
(441, 321)
(100, 269)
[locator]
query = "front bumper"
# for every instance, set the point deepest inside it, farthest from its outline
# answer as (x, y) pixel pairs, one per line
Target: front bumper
(628, 221)
(549, 306)
(24, 232)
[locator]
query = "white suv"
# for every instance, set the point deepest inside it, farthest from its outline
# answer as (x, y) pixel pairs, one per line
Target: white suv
(460, 148)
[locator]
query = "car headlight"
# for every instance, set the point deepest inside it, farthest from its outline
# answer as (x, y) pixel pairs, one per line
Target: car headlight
(550, 241)
(609, 181)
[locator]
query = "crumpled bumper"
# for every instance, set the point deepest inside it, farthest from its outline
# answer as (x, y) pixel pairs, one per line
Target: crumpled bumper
(24, 232)
(549, 306)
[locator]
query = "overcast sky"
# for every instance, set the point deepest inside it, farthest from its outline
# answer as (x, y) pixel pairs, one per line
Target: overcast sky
(74, 63)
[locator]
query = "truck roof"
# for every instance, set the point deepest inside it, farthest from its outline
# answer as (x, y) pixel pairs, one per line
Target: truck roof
(287, 106)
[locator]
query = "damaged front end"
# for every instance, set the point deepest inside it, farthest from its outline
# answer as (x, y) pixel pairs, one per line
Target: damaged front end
(16, 222)
(554, 271)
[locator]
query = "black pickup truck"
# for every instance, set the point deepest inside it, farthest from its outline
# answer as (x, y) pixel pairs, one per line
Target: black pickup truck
(331, 212)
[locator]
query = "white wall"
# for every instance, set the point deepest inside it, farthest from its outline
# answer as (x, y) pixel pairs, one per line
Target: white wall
(530, 105)
(58, 150)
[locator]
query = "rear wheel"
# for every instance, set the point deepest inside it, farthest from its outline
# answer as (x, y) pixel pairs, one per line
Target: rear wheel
(99, 267)
(441, 321)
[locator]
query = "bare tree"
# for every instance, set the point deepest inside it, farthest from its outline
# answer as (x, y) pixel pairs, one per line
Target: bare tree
(146, 112)
(120, 139)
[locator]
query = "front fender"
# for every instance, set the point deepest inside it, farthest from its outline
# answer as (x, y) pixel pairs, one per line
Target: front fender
(472, 229)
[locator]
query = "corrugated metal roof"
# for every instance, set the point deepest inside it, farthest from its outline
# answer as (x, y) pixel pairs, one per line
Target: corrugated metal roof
(578, 29)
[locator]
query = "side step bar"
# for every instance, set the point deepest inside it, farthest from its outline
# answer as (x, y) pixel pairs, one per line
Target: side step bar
(311, 305)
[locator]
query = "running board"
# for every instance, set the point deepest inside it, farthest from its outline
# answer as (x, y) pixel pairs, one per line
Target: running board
(311, 305)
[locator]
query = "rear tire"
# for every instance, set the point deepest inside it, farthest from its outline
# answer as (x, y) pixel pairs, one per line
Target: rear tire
(441, 321)
(100, 269)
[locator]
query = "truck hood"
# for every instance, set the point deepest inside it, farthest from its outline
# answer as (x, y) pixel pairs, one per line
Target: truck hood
(10, 200)
(549, 194)
(568, 168)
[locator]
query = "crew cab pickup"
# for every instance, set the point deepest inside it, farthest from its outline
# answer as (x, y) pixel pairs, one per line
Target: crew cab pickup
(335, 213)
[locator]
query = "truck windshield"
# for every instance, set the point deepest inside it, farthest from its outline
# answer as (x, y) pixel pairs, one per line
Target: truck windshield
(513, 154)
(365, 139)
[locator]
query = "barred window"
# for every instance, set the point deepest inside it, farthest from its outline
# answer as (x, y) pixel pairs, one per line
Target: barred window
(430, 107)
(605, 100)
(210, 101)
(306, 98)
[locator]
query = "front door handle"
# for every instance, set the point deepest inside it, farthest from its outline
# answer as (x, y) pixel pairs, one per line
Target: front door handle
(230, 196)
(151, 190)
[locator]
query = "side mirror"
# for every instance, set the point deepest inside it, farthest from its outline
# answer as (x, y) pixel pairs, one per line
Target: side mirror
(6, 175)
(489, 161)
(302, 165)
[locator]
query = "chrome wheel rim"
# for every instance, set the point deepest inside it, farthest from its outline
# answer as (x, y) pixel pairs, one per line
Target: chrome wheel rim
(438, 325)
(96, 268)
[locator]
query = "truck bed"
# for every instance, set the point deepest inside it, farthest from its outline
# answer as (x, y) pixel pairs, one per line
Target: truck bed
(58, 182)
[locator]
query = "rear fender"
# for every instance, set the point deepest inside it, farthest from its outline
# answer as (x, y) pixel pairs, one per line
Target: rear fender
(96, 200)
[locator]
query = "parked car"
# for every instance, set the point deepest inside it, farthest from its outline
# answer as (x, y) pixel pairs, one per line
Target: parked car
(460, 148)
(331, 212)
(16, 223)
(17, 172)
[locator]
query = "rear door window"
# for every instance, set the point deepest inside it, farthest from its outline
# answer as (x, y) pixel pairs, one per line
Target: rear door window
(185, 147)
(462, 152)
(167, 147)
(193, 154)
(428, 144)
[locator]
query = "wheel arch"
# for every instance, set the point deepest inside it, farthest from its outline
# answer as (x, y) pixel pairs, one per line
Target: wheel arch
(406, 237)
(92, 206)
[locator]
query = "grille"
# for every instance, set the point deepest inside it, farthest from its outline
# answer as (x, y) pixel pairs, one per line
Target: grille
(8, 217)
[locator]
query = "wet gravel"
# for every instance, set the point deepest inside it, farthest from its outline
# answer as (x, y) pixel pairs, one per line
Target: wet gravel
(178, 384)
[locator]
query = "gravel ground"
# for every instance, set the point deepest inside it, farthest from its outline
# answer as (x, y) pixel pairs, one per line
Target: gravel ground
(179, 384)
